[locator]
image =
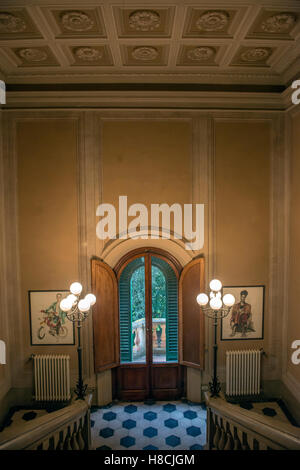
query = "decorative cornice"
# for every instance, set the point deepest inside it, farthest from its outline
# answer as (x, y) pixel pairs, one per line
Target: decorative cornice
(146, 87)
(144, 20)
(76, 21)
(145, 53)
(32, 54)
(141, 98)
(213, 21)
(88, 54)
(10, 23)
(279, 23)
(201, 53)
(256, 54)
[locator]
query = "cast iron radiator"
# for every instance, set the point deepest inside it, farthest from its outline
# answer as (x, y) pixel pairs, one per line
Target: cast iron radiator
(243, 370)
(52, 377)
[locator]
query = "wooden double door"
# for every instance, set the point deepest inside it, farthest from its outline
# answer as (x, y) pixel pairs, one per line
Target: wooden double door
(147, 324)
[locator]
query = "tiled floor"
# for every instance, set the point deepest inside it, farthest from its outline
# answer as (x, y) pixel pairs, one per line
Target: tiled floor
(21, 416)
(138, 426)
(269, 408)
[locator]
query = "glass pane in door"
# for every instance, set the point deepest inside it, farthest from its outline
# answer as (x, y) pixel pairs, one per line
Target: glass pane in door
(138, 320)
(159, 310)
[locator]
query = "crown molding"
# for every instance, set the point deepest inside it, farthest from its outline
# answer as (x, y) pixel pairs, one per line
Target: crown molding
(147, 99)
(218, 3)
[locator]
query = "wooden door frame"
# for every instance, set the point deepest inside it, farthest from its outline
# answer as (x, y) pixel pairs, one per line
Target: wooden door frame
(147, 252)
(138, 252)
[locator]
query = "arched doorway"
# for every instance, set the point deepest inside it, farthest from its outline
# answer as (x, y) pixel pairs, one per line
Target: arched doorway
(148, 290)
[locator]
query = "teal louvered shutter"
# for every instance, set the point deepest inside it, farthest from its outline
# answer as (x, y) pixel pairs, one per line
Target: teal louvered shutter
(125, 319)
(172, 317)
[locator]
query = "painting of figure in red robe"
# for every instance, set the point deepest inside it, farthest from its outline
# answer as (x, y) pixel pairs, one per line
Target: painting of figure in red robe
(246, 317)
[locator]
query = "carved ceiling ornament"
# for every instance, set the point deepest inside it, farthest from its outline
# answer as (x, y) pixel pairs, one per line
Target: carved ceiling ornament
(280, 23)
(88, 54)
(144, 53)
(144, 20)
(31, 54)
(213, 20)
(10, 23)
(201, 54)
(255, 54)
(77, 21)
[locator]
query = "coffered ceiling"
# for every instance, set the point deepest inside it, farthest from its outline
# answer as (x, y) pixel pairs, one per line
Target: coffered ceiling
(201, 42)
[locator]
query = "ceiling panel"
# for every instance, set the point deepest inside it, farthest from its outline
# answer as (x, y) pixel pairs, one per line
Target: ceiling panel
(254, 42)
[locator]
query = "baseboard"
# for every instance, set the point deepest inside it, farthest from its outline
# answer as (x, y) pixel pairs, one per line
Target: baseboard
(290, 394)
(272, 388)
(14, 397)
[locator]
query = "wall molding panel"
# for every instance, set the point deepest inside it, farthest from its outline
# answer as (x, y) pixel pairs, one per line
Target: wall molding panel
(89, 193)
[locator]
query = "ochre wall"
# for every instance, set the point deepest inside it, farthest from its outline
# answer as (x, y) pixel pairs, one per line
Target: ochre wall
(5, 314)
(47, 200)
(294, 271)
(150, 162)
(242, 211)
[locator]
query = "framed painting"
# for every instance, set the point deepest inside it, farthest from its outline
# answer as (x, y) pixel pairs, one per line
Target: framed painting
(48, 323)
(246, 317)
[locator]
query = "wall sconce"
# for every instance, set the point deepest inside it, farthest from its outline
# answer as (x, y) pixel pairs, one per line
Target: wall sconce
(77, 310)
(215, 307)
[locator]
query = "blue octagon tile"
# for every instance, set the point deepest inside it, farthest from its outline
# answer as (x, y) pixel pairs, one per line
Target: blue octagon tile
(106, 432)
(92, 423)
(105, 407)
(190, 414)
(130, 409)
(95, 408)
(169, 407)
(150, 448)
(247, 405)
(129, 424)
(173, 441)
(150, 415)
(196, 447)
(192, 403)
(103, 448)
(150, 432)
(127, 441)
(29, 415)
(267, 411)
(193, 431)
(149, 402)
(109, 416)
(171, 423)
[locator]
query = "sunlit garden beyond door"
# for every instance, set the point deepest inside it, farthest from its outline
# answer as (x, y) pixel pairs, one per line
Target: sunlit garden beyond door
(153, 329)
(159, 301)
